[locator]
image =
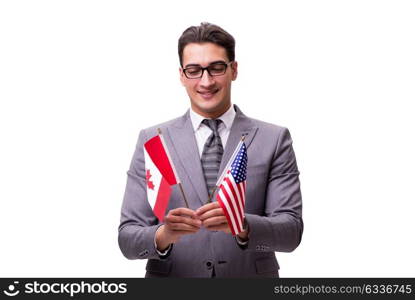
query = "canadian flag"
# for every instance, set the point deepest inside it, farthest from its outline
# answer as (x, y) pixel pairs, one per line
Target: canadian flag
(160, 175)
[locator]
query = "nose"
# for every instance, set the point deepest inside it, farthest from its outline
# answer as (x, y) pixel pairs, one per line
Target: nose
(206, 80)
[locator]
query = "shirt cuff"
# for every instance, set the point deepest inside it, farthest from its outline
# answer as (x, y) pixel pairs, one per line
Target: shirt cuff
(238, 239)
(241, 242)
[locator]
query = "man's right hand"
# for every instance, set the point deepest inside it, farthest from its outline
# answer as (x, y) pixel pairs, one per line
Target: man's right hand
(178, 222)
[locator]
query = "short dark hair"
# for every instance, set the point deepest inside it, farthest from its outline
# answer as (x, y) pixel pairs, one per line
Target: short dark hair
(207, 33)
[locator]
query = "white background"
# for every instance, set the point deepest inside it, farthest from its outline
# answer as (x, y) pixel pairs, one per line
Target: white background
(79, 79)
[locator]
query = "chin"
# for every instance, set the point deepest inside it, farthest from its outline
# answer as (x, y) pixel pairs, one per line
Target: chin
(209, 106)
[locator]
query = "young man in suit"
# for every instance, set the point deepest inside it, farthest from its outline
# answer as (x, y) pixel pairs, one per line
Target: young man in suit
(197, 241)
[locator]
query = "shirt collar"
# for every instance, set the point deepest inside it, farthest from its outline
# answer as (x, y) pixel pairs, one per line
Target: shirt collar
(227, 118)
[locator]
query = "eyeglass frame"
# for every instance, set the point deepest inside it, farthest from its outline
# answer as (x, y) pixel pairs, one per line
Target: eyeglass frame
(207, 69)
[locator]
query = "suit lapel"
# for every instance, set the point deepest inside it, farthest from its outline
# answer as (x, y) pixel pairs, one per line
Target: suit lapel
(185, 146)
(242, 125)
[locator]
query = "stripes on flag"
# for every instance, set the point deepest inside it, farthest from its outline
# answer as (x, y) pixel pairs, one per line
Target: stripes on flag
(231, 193)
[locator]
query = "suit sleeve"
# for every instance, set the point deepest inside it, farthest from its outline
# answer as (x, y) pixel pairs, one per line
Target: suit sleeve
(281, 228)
(138, 224)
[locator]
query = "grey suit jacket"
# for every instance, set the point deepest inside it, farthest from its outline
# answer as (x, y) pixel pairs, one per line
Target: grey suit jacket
(273, 205)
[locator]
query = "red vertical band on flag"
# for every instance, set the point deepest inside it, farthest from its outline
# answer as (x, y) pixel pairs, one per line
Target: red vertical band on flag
(162, 201)
(158, 154)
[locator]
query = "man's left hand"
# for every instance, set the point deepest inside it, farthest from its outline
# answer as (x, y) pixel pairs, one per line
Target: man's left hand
(213, 218)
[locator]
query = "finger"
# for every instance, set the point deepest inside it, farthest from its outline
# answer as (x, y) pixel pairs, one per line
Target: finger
(207, 207)
(211, 213)
(183, 211)
(172, 219)
(214, 221)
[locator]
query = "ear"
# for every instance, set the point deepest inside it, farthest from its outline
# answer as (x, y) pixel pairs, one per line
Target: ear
(181, 76)
(234, 67)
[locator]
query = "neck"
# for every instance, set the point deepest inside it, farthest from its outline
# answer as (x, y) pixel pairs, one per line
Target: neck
(213, 114)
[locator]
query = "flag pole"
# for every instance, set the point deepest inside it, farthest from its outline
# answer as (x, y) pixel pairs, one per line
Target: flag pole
(184, 196)
(224, 170)
(174, 169)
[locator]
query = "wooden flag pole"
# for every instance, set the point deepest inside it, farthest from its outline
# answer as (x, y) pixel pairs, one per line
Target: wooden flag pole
(184, 196)
(174, 169)
(216, 187)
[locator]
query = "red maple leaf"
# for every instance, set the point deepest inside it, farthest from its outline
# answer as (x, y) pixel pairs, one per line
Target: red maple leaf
(150, 184)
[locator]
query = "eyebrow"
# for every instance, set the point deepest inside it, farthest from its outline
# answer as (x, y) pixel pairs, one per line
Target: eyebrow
(212, 63)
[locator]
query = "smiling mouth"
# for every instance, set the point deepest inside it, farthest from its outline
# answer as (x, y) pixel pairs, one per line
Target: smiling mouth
(208, 94)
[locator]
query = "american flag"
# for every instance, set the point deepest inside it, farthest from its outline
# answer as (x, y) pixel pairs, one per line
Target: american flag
(232, 186)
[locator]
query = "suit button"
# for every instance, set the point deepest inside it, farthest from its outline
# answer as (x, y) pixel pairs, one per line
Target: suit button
(209, 264)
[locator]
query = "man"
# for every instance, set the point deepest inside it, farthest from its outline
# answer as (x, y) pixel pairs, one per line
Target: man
(197, 241)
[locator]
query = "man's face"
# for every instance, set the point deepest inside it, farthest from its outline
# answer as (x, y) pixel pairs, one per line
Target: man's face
(210, 96)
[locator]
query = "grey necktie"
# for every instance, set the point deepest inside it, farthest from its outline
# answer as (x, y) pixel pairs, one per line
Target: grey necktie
(212, 154)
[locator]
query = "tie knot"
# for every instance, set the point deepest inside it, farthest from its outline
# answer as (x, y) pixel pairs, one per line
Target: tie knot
(212, 124)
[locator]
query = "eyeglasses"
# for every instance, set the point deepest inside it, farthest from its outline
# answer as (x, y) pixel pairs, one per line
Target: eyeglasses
(215, 69)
